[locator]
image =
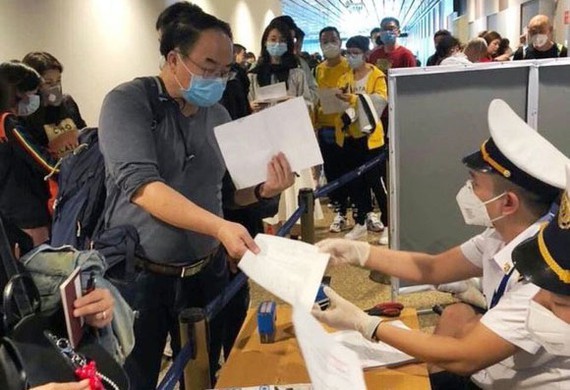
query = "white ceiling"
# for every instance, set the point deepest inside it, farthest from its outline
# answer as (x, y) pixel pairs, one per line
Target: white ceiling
(349, 16)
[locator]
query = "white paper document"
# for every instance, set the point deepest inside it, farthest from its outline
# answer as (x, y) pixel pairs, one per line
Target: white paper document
(329, 102)
(271, 93)
(373, 354)
(290, 269)
(330, 364)
(248, 144)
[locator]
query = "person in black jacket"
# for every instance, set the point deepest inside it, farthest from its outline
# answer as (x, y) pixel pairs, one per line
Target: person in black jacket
(435, 58)
(56, 122)
(540, 42)
(24, 162)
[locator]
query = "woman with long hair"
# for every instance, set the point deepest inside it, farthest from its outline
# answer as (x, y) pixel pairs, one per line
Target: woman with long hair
(278, 63)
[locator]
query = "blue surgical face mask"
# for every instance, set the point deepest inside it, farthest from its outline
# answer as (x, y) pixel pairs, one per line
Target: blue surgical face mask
(388, 38)
(202, 91)
(276, 49)
(28, 105)
(355, 60)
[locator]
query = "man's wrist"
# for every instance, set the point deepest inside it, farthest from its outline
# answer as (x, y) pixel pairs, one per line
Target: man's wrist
(260, 192)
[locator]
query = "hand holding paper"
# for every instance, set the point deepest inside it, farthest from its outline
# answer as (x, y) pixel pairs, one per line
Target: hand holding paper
(344, 251)
(342, 314)
(289, 269)
(279, 177)
(329, 101)
(249, 143)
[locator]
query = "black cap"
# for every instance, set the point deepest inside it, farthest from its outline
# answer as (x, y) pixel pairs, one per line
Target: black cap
(545, 258)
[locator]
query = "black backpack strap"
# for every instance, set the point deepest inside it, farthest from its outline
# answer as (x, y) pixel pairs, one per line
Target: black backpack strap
(156, 96)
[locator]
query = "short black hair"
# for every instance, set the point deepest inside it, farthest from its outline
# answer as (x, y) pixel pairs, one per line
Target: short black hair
(375, 30)
(184, 32)
(443, 48)
(441, 33)
(329, 29)
(239, 48)
(360, 42)
(16, 76)
(389, 19)
(175, 12)
(42, 61)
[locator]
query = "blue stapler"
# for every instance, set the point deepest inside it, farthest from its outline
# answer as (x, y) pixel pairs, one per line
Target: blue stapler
(266, 316)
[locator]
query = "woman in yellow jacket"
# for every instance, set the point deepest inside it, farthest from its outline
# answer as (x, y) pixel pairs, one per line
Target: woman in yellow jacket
(360, 144)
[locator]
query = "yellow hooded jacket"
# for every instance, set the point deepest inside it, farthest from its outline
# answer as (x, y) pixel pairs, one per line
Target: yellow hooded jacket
(376, 84)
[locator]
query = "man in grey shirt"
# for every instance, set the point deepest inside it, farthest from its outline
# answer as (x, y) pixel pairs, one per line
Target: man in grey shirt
(167, 177)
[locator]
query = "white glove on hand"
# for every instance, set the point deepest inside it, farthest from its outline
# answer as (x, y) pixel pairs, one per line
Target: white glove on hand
(343, 315)
(345, 251)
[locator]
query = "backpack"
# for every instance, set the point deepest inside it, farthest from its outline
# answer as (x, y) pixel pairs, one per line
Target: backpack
(81, 202)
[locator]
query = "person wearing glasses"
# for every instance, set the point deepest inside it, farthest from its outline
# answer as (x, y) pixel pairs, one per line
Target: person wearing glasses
(167, 179)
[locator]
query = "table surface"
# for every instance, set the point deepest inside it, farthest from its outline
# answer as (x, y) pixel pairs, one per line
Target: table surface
(252, 363)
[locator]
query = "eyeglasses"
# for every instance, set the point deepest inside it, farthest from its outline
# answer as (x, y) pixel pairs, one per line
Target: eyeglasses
(208, 73)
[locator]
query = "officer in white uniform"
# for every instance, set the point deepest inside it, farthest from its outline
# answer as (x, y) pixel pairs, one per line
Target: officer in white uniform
(515, 176)
(544, 260)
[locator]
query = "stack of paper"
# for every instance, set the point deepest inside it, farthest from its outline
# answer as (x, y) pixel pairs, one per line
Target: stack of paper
(373, 354)
(330, 364)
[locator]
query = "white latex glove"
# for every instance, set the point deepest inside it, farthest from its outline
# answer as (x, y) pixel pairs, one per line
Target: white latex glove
(345, 251)
(341, 314)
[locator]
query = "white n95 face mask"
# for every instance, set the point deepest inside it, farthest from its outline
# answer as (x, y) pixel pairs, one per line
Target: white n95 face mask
(330, 50)
(473, 209)
(549, 331)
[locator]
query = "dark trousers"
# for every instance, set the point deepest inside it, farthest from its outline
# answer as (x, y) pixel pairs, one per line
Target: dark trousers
(334, 165)
(445, 380)
(158, 299)
(357, 153)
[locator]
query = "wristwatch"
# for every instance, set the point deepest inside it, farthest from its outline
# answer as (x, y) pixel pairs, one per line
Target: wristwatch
(257, 193)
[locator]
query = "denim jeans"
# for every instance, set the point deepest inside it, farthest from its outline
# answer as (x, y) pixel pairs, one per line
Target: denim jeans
(158, 299)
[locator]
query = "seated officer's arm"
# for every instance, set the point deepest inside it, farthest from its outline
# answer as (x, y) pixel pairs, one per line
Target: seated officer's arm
(449, 266)
(463, 356)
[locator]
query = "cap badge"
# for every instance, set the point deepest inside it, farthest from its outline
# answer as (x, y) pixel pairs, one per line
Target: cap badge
(564, 213)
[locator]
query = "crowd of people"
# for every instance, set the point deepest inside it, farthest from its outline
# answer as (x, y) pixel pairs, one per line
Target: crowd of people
(168, 180)
(490, 46)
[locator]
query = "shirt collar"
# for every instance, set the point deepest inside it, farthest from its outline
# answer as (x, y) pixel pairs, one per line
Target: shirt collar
(503, 257)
